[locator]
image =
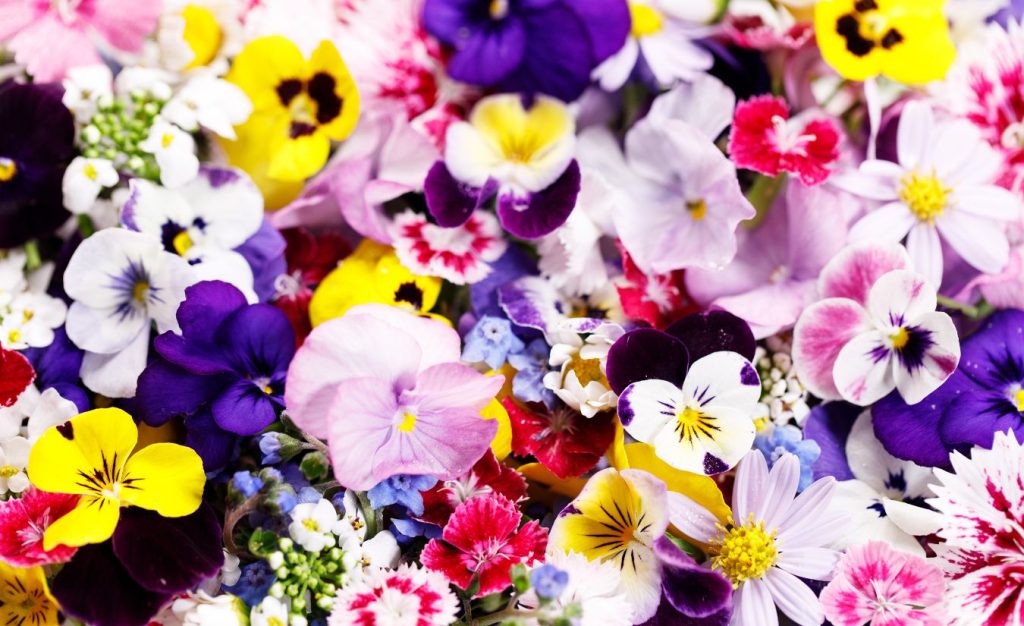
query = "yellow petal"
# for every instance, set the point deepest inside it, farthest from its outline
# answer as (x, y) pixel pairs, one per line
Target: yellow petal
(166, 478)
(251, 151)
(519, 134)
(616, 454)
(605, 518)
(25, 597)
(300, 157)
(77, 455)
(537, 473)
(399, 286)
(326, 60)
(701, 489)
(263, 65)
(501, 445)
(202, 34)
(92, 521)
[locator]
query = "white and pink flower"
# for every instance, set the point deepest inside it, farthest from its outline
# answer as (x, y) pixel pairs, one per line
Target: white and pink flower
(460, 255)
(407, 595)
(876, 329)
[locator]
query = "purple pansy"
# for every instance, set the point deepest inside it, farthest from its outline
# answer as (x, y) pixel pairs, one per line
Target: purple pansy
(692, 595)
(224, 373)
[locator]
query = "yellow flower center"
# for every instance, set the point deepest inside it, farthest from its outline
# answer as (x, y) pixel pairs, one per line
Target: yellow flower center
(90, 171)
(692, 423)
(7, 169)
(311, 525)
(697, 209)
(925, 194)
(646, 20)
(746, 552)
(408, 423)
(8, 471)
(166, 140)
(27, 315)
(274, 621)
(899, 338)
(874, 24)
(1019, 399)
(498, 9)
(182, 242)
(522, 135)
(140, 291)
(587, 371)
(202, 34)
(14, 335)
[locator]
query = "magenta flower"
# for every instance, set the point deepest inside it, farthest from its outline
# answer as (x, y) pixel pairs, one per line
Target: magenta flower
(386, 390)
(876, 585)
(31, 28)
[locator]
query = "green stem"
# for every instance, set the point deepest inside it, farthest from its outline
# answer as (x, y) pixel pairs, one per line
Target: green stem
(86, 226)
(509, 613)
(32, 257)
(983, 308)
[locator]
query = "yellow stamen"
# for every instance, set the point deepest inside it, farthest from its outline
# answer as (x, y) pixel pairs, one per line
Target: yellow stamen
(692, 423)
(746, 552)
(925, 194)
(8, 471)
(14, 335)
(182, 242)
(698, 209)
(27, 315)
(140, 291)
(1019, 399)
(408, 423)
(274, 621)
(498, 9)
(311, 524)
(587, 370)
(90, 171)
(167, 140)
(7, 169)
(202, 34)
(646, 20)
(899, 338)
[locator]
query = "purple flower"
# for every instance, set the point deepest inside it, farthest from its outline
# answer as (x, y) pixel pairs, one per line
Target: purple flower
(57, 367)
(225, 372)
(691, 594)
(534, 46)
(549, 581)
(246, 483)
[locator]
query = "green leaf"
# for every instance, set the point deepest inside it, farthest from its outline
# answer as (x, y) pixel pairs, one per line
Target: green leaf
(262, 542)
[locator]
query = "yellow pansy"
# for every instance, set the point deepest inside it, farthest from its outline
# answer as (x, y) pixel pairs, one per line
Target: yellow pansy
(372, 273)
(94, 455)
(299, 106)
(905, 40)
(25, 598)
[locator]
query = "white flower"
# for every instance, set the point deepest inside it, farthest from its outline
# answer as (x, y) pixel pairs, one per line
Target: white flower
(361, 557)
(352, 521)
(13, 459)
(84, 179)
(201, 609)
(121, 281)
(35, 316)
(42, 410)
(174, 150)
(210, 102)
(593, 586)
(581, 381)
(312, 524)
(144, 80)
(269, 612)
(84, 87)
(407, 596)
(198, 35)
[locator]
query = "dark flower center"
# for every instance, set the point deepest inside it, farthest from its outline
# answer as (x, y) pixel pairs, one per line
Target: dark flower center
(867, 28)
(311, 103)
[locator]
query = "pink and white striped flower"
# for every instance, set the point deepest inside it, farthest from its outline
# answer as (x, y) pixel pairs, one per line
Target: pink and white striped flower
(876, 329)
(407, 595)
(459, 255)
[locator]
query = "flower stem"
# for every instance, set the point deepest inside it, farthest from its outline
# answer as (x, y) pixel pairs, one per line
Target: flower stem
(32, 257)
(983, 308)
(233, 517)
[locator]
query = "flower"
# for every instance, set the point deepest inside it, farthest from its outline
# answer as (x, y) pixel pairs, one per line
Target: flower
(702, 426)
(398, 388)
(174, 151)
(763, 26)
(531, 365)
(270, 612)
(208, 102)
(30, 319)
(162, 477)
(487, 476)
(616, 519)
(247, 483)
(548, 581)
(984, 396)
(298, 108)
(481, 542)
(771, 540)
(201, 609)
(83, 181)
(904, 40)
(981, 526)
(661, 43)
(13, 459)
(392, 597)
(82, 29)
(876, 329)
(690, 594)
(460, 255)
(942, 186)
(580, 348)
(121, 282)
(25, 597)
(16, 375)
(24, 522)
(521, 151)
(36, 144)
(593, 586)
(490, 341)
(562, 439)
(766, 140)
(788, 439)
(194, 34)
(875, 585)
(403, 490)
(254, 583)
(309, 259)
(204, 221)
(312, 525)
(654, 298)
(549, 48)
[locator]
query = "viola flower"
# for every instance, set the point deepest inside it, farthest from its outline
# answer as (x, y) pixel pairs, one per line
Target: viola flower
(520, 150)
(661, 43)
(24, 522)
(981, 527)
(162, 477)
(487, 476)
(82, 28)
(298, 108)
(616, 519)
(309, 259)
(36, 145)
(84, 180)
(25, 597)
(876, 585)
(549, 48)
(204, 222)
(384, 378)
(482, 541)
(460, 255)
(766, 140)
(224, 372)
(690, 593)
(903, 40)
(876, 329)
(396, 596)
(943, 186)
(563, 440)
(772, 541)
(16, 375)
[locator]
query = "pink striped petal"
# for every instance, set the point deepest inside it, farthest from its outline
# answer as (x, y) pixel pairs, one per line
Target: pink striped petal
(820, 334)
(852, 272)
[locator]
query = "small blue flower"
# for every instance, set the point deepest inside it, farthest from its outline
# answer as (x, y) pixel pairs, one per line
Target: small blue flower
(402, 489)
(270, 445)
(281, 499)
(254, 583)
(309, 495)
(406, 530)
(247, 483)
(531, 365)
(785, 439)
(548, 581)
(491, 341)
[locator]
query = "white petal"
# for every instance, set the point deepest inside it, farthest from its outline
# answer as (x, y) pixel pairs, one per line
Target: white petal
(782, 483)
(863, 369)
(748, 494)
(889, 223)
(723, 379)
(691, 518)
(939, 362)
(813, 563)
(794, 598)
(913, 520)
(732, 434)
(753, 605)
(115, 375)
(103, 331)
(615, 70)
(925, 250)
(470, 158)
(899, 297)
(230, 205)
(977, 240)
(914, 135)
(646, 407)
(990, 202)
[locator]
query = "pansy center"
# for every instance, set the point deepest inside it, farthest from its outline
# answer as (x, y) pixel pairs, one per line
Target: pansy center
(899, 338)
(182, 242)
(202, 34)
(698, 209)
(8, 169)
(407, 424)
(692, 423)
(1018, 399)
(746, 552)
(140, 291)
(925, 195)
(645, 19)
(498, 9)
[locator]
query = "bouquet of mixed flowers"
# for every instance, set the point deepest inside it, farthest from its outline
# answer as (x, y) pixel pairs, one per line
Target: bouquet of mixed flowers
(511, 312)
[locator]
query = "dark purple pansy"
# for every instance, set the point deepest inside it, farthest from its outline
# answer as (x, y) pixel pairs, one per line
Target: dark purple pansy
(149, 560)
(533, 46)
(37, 136)
(691, 595)
(982, 397)
(650, 354)
(224, 373)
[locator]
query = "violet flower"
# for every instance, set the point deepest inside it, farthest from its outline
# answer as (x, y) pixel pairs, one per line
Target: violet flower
(691, 595)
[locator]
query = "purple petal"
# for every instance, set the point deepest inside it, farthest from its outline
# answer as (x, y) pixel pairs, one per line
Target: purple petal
(829, 425)
(532, 302)
(168, 554)
(714, 331)
(213, 444)
(490, 53)
(646, 354)
(448, 20)
(244, 408)
(451, 202)
(207, 304)
(540, 213)
(607, 22)
(911, 432)
(166, 391)
(258, 340)
(264, 252)
(691, 589)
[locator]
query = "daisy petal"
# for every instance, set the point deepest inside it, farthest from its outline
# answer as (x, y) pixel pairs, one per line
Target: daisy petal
(794, 598)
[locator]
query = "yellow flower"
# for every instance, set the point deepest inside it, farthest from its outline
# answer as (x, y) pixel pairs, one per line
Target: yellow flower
(25, 598)
(905, 40)
(372, 273)
(300, 106)
(92, 455)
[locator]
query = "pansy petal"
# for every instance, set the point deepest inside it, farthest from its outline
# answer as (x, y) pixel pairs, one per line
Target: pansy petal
(164, 477)
(918, 377)
(539, 213)
(452, 385)
(646, 354)
(648, 406)
(819, 336)
(365, 407)
(723, 379)
(900, 297)
(863, 371)
(243, 408)
(713, 331)
(91, 521)
(715, 444)
(451, 202)
(852, 272)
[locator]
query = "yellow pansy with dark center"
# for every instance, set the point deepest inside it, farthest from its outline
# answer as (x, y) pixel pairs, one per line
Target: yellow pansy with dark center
(25, 599)
(866, 27)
